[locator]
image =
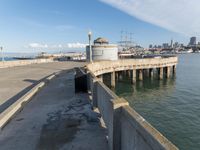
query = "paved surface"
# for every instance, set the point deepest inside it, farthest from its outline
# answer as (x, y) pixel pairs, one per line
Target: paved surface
(16, 81)
(56, 118)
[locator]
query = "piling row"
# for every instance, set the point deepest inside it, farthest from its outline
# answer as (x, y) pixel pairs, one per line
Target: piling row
(162, 72)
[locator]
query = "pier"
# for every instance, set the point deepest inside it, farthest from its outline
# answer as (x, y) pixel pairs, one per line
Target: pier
(96, 118)
(137, 69)
(16, 81)
(55, 117)
(126, 128)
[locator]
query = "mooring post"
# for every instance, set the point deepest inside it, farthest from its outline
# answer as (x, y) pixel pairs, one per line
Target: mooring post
(113, 79)
(129, 73)
(140, 74)
(161, 73)
(134, 76)
(168, 71)
(174, 69)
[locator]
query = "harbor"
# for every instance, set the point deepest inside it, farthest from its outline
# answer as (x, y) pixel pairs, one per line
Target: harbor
(90, 81)
(99, 75)
(170, 105)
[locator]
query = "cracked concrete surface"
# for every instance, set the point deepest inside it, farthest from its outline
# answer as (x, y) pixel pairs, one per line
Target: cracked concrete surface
(56, 118)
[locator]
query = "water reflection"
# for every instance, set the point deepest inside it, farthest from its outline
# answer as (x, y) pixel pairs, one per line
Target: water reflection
(171, 105)
(149, 87)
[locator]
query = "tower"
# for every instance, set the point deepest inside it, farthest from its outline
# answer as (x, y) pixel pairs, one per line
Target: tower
(171, 45)
(192, 41)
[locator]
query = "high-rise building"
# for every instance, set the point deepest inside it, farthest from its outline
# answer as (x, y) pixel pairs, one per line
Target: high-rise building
(150, 46)
(165, 45)
(193, 41)
(171, 44)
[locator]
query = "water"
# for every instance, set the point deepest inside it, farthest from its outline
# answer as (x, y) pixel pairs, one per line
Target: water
(7, 59)
(172, 105)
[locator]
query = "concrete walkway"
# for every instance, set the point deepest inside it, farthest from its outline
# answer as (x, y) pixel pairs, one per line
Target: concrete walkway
(16, 81)
(56, 118)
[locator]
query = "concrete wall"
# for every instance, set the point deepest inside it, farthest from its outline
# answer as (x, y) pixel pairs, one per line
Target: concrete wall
(14, 63)
(103, 52)
(127, 130)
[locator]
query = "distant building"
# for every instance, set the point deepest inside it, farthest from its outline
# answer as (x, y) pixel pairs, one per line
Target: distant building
(181, 45)
(150, 46)
(171, 45)
(193, 41)
(165, 45)
(159, 46)
(102, 50)
(176, 45)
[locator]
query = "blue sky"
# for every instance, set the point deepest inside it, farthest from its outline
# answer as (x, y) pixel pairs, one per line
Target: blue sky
(48, 25)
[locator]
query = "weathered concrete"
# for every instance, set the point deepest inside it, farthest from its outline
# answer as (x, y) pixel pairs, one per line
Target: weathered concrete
(134, 76)
(102, 67)
(174, 69)
(113, 79)
(127, 130)
(108, 102)
(16, 81)
(141, 74)
(9, 113)
(137, 133)
(161, 73)
(168, 72)
(100, 77)
(56, 118)
(6, 64)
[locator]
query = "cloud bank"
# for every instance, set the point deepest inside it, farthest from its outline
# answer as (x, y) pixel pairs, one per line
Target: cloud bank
(181, 16)
(75, 45)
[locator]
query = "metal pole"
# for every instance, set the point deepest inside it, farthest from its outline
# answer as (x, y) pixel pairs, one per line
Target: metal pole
(2, 58)
(90, 46)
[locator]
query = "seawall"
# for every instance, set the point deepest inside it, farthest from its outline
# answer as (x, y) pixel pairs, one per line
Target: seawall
(127, 129)
(6, 64)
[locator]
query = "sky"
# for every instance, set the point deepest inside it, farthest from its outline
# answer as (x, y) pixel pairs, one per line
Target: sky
(62, 25)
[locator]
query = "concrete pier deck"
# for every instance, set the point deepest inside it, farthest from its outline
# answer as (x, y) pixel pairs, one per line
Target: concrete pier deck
(16, 81)
(55, 118)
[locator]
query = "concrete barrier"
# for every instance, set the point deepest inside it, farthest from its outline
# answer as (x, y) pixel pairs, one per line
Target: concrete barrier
(102, 67)
(10, 112)
(6, 64)
(127, 130)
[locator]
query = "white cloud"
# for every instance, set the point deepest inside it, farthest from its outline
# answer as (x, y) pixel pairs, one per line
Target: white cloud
(75, 45)
(181, 16)
(37, 45)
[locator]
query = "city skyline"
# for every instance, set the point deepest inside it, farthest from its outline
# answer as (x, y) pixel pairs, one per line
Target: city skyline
(32, 26)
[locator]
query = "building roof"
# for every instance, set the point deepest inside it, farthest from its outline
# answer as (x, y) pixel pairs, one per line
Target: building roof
(101, 40)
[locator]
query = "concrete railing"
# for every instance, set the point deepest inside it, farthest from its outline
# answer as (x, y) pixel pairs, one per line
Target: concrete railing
(18, 105)
(102, 67)
(127, 130)
(6, 64)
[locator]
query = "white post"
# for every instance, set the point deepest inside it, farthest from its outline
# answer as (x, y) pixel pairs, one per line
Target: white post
(2, 58)
(90, 46)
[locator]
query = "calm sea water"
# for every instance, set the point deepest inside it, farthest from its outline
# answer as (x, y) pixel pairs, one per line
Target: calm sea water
(172, 105)
(7, 59)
